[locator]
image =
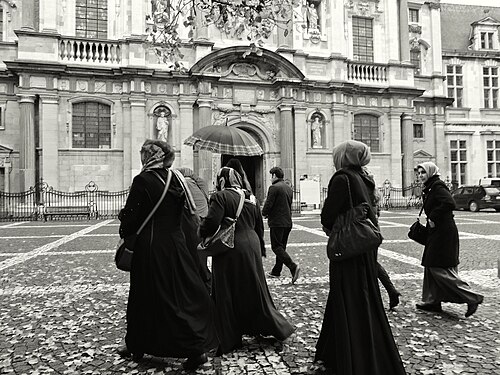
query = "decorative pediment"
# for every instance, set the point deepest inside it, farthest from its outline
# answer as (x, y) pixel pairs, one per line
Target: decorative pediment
(487, 21)
(5, 150)
(237, 64)
(364, 8)
(422, 154)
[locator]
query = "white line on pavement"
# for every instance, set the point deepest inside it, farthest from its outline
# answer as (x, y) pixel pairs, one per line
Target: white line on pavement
(45, 248)
(13, 224)
(31, 237)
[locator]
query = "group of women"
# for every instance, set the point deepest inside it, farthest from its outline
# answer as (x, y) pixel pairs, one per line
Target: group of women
(171, 314)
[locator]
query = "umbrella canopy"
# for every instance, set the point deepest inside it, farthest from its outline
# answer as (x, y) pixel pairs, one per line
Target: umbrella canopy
(223, 139)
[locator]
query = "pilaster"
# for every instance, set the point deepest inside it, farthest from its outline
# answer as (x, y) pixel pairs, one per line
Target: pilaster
(28, 15)
(128, 152)
(186, 129)
(394, 148)
(287, 142)
(407, 148)
(27, 141)
(48, 15)
(49, 136)
(205, 157)
(404, 38)
(301, 164)
(340, 126)
(138, 131)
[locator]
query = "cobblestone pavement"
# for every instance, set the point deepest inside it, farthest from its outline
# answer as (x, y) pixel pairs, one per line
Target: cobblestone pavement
(62, 303)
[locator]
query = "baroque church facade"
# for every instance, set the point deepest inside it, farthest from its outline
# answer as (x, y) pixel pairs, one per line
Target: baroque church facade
(80, 91)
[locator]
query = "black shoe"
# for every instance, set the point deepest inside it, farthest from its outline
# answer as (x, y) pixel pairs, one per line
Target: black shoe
(270, 274)
(295, 274)
(393, 299)
(125, 353)
(433, 307)
(471, 309)
(192, 363)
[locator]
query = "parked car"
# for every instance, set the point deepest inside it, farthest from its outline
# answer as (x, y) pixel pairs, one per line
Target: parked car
(487, 181)
(475, 198)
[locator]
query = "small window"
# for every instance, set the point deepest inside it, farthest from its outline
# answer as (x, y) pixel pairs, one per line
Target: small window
(415, 60)
(487, 40)
(414, 16)
(418, 131)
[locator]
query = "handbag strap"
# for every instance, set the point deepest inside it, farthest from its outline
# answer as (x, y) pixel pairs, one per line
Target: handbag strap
(167, 184)
(423, 202)
(349, 190)
(242, 202)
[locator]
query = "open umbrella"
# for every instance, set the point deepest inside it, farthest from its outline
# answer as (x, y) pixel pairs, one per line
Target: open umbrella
(223, 139)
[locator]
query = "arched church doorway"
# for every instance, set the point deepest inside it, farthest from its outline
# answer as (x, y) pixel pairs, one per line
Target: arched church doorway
(253, 168)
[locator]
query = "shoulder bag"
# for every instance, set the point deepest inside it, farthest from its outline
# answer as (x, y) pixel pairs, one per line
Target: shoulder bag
(125, 247)
(223, 239)
(353, 233)
(418, 232)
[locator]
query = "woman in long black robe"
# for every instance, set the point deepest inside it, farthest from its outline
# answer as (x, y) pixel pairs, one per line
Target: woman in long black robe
(355, 338)
(242, 300)
(169, 311)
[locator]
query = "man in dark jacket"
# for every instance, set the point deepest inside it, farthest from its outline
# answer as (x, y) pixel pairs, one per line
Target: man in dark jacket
(278, 211)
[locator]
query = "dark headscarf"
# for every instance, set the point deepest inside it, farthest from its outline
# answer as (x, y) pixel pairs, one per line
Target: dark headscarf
(351, 154)
(156, 154)
(238, 167)
(228, 178)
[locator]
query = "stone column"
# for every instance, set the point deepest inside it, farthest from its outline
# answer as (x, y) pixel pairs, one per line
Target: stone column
(186, 129)
(301, 138)
(49, 135)
(404, 38)
(287, 142)
(27, 142)
(341, 129)
(205, 157)
(407, 149)
(129, 154)
(48, 15)
(394, 148)
(138, 132)
(441, 151)
(28, 15)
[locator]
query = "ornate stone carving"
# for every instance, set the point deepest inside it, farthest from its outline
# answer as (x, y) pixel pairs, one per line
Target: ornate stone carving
(100, 86)
(317, 127)
(416, 29)
(363, 7)
(162, 115)
(82, 86)
(117, 88)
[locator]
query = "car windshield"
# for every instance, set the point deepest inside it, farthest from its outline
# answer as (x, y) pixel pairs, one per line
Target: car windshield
(492, 191)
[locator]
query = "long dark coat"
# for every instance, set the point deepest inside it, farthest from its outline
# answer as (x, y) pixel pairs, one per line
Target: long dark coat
(242, 299)
(169, 311)
(355, 338)
(442, 248)
(278, 205)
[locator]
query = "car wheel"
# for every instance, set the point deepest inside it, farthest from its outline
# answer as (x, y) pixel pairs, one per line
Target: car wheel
(473, 206)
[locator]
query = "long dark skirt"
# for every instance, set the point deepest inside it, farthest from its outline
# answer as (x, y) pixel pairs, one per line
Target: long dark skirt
(356, 338)
(444, 285)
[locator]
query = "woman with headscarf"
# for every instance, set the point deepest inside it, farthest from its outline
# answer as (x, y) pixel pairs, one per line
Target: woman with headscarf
(243, 303)
(355, 338)
(169, 310)
(441, 253)
(238, 167)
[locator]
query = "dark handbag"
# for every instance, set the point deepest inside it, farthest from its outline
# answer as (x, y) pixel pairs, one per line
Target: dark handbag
(223, 239)
(418, 232)
(125, 247)
(353, 233)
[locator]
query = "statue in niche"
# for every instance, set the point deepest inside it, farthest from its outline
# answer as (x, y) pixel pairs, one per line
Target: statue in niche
(162, 123)
(317, 126)
(312, 18)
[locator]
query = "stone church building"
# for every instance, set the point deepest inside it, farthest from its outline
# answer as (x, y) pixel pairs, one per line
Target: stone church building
(80, 91)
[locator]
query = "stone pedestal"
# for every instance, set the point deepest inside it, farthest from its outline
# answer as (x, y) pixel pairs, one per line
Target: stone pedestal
(27, 142)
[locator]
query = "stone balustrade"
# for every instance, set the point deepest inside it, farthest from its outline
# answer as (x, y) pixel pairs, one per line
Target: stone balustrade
(93, 51)
(367, 72)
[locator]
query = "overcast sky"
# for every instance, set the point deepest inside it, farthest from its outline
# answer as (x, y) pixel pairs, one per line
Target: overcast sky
(474, 2)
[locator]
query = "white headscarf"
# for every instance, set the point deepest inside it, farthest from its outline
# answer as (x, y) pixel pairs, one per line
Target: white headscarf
(430, 168)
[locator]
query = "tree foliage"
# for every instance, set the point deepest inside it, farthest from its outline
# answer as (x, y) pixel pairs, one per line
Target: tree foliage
(250, 20)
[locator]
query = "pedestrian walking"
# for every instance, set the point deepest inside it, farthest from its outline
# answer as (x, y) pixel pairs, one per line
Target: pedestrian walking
(355, 337)
(441, 253)
(278, 211)
(191, 227)
(243, 303)
(169, 310)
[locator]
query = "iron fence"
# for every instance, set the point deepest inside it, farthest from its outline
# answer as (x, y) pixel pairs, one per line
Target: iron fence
(42, 201)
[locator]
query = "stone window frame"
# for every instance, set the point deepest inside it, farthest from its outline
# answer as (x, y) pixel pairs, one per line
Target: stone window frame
(69, 121)
(378, 118)
(491, 91)
(455, 86)
(412, 11)
(422, 130)
(493, 165)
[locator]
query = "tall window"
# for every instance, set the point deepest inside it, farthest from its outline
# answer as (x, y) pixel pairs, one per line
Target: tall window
(366, 130)
(458, 158)
(413, 15)
(455, 84)
(362, 39)
(490, 87)
(493, 158)
(1, 22)
(487, 40)
(415, 59)
(418, 131)
(91, 125)
(92, 18)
